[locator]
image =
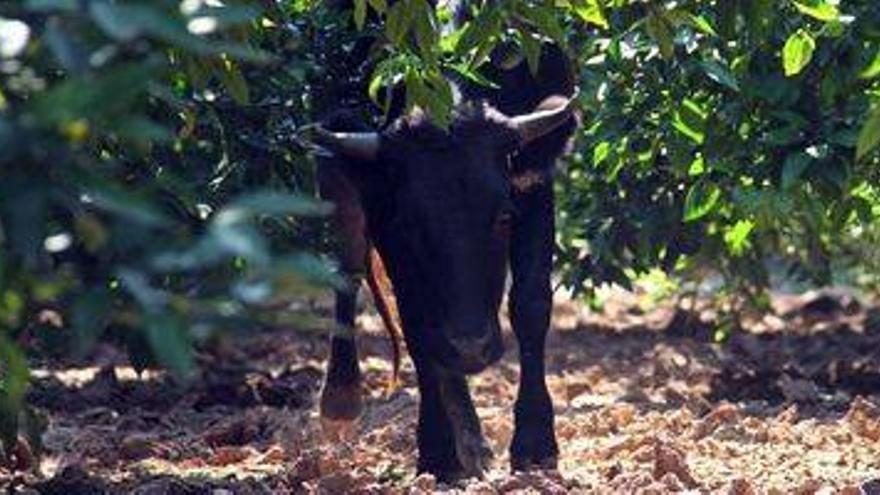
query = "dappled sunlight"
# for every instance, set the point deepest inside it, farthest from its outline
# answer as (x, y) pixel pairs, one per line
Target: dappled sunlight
(74, 377)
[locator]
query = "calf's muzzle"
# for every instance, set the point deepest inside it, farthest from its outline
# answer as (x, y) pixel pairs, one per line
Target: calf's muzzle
(468, 355)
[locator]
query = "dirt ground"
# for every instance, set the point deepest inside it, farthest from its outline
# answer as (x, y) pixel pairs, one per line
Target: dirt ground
(646, 402)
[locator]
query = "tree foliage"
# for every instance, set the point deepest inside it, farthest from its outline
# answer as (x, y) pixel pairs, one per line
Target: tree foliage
(725, 135)
(731, 135)
(148, 190)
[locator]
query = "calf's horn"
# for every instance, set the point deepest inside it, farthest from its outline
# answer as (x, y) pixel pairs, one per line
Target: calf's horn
(361, 145)
(550, 114)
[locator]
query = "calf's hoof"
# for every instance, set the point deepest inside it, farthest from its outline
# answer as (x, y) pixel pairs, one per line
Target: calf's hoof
(473, 453)
(524, 464)
(534, 449)
(341, 402)
(466, 462)
(445, 469)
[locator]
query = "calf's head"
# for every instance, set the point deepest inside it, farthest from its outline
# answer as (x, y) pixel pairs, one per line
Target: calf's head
(439, 209)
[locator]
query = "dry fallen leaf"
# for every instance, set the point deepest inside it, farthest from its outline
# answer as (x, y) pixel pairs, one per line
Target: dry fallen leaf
(224, 456)
(721, 414)
(740, 486)
(669, 460)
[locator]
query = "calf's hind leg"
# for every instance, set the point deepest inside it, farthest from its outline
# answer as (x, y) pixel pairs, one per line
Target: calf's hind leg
(534, 440)
(341, 398)
(341, 393)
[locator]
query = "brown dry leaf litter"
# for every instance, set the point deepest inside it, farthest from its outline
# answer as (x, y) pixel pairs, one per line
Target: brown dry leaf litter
(645, 403)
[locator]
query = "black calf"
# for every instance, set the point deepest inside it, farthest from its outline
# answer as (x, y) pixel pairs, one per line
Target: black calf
(448, 212)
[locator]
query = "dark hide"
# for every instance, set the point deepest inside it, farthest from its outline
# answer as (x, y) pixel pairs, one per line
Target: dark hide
(442, 210)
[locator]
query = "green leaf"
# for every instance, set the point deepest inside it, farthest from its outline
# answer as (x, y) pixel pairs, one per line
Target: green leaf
(681, 152)
(86, 97)
(127, 205)
(544, 18)
(869, 136)
(24, 212)
(435, 95)
(726, 15)
(698, 167)
(379, 6)
(822, 11)
(47, 5)
(234, 238)
(737, 237)
(761, 17)
(14, 373)
(864, 209)
(590, 11)
(170, 343)
(234, 82)
(70, 54)
(310, 268)
(276, 203)
(226, 15)
(89, 317)
(426, 35)
(701, 24)
(690, 120)
(360, 13)
(797, 52)
(793, 168)
(873, 69)
(127, 22)
(12, 306)
(481, 34)
(701, 199)
(449, 40)
(680, 16)
(142, 130)
(376, 85)
(601, 152)
(397, 22)
(121, 21)
(531, 47)
(138, 285)
(720, 74)
(473, 75)
(14, 376)
(659, 28)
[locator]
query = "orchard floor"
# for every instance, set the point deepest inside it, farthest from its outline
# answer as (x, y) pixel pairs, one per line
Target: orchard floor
(645, 402)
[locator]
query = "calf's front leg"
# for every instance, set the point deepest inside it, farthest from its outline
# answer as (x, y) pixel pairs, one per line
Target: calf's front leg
(435, 436)
(471, 448)
(534, 440)
(450, 439)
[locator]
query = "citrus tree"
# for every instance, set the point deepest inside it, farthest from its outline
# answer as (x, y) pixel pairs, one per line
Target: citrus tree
(722, 134)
